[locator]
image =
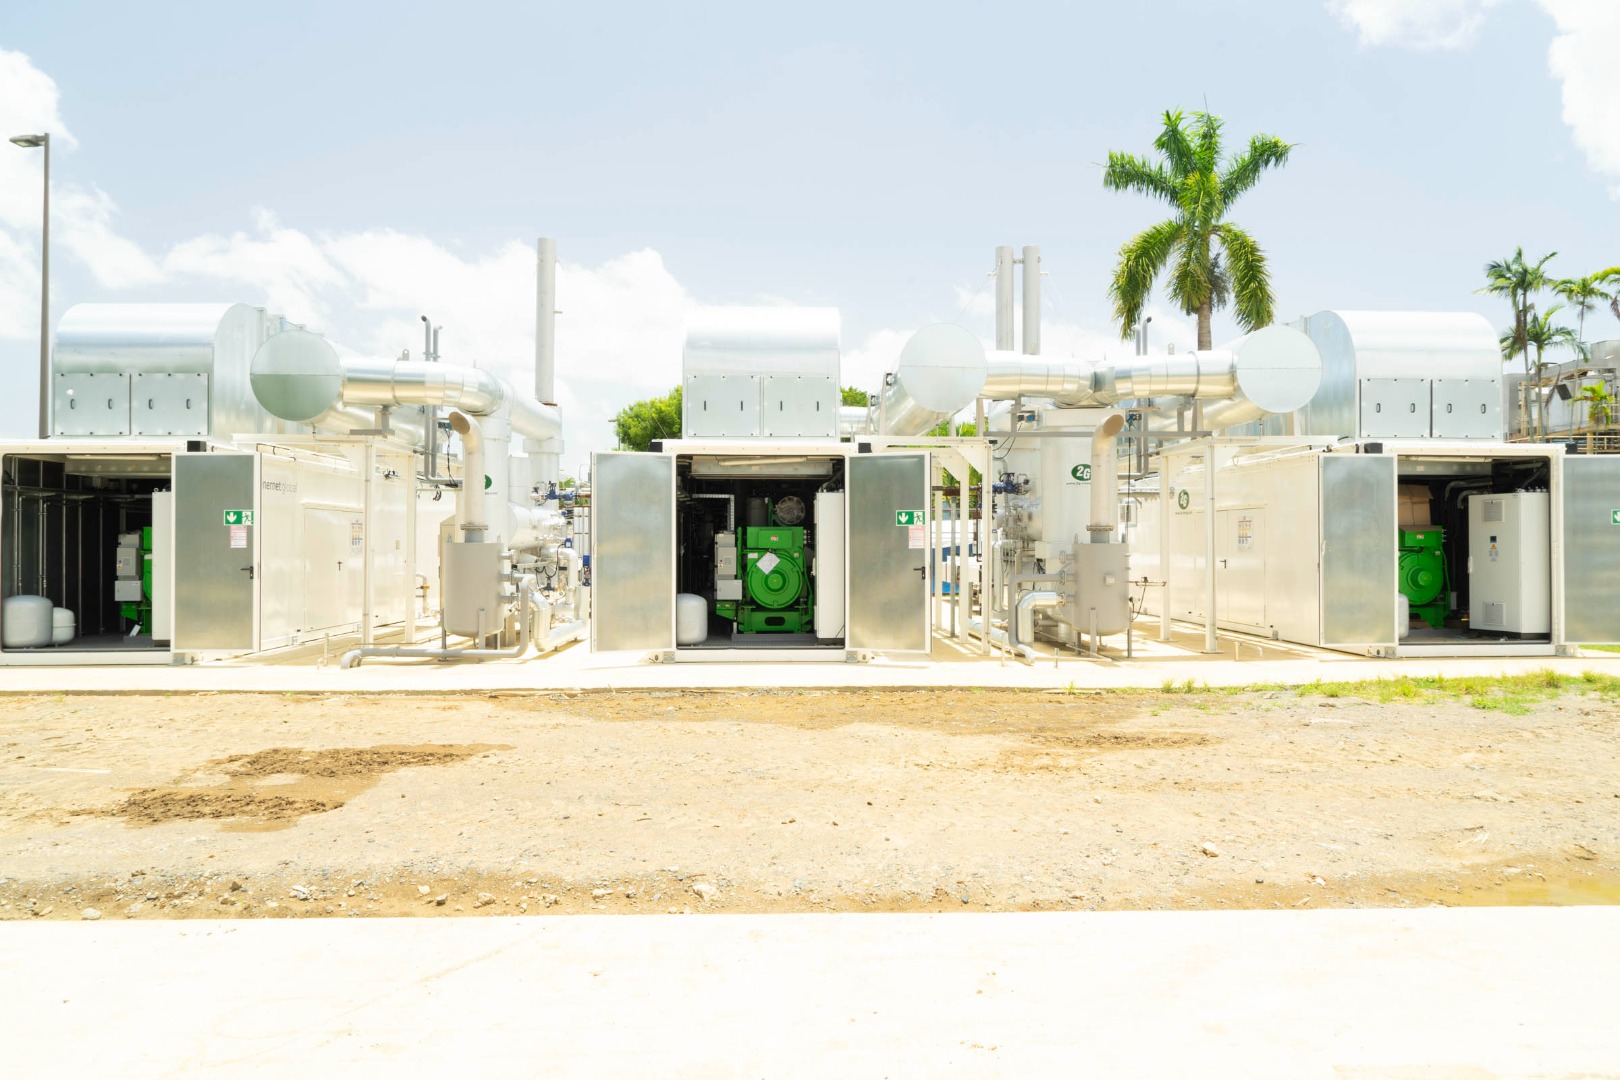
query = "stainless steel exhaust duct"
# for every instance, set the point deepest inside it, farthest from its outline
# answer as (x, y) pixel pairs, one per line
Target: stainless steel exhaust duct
(940, 371)
(298, 376)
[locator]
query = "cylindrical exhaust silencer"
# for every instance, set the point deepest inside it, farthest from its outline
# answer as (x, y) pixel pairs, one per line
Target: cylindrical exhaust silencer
(940, 372)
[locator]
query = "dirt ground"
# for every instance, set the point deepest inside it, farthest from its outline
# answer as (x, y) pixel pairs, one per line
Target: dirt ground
(263, 805)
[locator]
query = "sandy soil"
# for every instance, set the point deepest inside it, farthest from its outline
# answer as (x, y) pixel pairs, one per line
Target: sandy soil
(261, 805)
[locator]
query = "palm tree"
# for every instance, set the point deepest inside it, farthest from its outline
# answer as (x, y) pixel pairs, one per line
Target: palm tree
(1541, 333)
(1191, 176)
(1611, 276)
(1599, 403)
(1584, 294)
(1518, 281)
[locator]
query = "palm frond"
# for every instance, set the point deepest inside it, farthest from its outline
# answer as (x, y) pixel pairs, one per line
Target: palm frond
(1189, 284)
(1207, 146)
(1140, 260)
(1174, 144)
(1250, 278)
(1127, 172)
(1199, 198)
(1242, 172)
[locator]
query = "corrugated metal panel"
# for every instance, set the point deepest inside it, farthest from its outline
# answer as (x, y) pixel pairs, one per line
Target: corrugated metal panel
(1591, 523)
(632, 551)
(1358, 549)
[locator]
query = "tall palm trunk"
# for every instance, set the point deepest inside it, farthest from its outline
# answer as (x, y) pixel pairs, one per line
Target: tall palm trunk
(1205, 313)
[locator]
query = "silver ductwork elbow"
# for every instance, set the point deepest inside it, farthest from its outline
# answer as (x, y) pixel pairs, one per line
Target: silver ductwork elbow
(940, 372)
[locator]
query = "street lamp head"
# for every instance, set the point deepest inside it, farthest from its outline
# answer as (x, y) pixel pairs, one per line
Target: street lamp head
(29, 141)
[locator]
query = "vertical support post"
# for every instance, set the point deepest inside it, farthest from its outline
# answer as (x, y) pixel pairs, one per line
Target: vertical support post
(1004, 298)
(1032, 300)
(935, 500)
(1209, 547)
(45, 299)
(367, 578)
(1165, 518)
(410, 560)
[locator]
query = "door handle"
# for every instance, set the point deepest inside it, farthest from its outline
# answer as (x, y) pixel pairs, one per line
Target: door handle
(922, 570)
(249, 571)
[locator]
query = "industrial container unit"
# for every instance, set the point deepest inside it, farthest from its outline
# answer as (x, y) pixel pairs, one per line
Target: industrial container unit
(759, 534)
(165, 549)
(219, 481)
(1410, 550)
(710, 551)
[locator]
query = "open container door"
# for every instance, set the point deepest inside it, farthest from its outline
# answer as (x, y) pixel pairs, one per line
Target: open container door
(1358, 549)
(1591, 520)
(632, 551)
(216, 553)
(888, 552)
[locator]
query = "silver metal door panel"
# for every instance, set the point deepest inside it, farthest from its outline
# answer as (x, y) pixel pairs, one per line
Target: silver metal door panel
(798, 406)
(888, 587)
(1591, 522)
(720, 405)
(632, 551)
(1240, 565)
(169, 403)
(86, 403)
(214, 583)
(1395, 408)
(1467, 409)
(1358, 549)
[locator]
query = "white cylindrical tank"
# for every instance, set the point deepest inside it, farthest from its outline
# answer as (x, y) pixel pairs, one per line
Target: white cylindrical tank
(25, 622)
(691, 619)
(63, 626)
(829, 565)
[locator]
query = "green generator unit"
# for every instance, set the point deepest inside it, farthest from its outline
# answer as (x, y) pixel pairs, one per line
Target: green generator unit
(775, 573)
(133, 586)
(1422, 574)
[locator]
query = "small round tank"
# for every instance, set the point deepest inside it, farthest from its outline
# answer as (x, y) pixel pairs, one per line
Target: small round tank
(25, 622)
(691, 619)
(63, 626)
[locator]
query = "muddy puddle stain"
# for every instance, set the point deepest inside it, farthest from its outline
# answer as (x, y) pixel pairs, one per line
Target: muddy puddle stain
(1556, 892)
(272, 789)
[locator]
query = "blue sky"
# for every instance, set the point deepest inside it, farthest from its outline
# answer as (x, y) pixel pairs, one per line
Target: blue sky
(355, 164)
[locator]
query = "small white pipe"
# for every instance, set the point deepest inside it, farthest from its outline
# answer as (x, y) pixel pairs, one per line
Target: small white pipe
(545, 322)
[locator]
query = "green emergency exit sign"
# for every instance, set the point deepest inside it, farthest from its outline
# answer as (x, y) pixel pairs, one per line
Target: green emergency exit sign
(238, 517)
(910, 517)
(1614, 517)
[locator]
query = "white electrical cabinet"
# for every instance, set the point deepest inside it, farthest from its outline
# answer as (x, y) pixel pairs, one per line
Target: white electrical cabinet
(1510, 563)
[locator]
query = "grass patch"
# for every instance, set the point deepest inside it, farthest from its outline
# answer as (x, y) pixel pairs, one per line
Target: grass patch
(1510, 694)
(1603, 648)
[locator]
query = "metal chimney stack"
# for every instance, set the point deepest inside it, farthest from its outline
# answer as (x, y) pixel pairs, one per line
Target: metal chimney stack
(545, 322)
(1032, 300)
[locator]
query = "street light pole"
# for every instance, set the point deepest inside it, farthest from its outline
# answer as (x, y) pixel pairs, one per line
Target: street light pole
(43, 141)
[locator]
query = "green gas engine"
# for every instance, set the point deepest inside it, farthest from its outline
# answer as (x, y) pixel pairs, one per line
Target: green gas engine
(1422, 574)
(775, 572)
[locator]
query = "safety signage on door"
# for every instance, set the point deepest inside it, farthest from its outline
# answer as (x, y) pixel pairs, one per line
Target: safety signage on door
(238, 517)
(1614, 517)
(910, 517)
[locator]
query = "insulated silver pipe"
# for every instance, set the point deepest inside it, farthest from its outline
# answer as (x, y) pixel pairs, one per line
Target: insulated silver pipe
(1105, 478)
(1004, 297)
(854, 420)
(1013, 375)
(298, 376)
(470, 497)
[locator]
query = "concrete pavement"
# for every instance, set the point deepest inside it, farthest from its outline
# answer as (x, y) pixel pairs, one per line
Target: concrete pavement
(1342, 993)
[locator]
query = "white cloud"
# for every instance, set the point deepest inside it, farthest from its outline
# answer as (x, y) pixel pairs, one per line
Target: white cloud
(81, 217)
(1583, 57)
(1414, 24)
